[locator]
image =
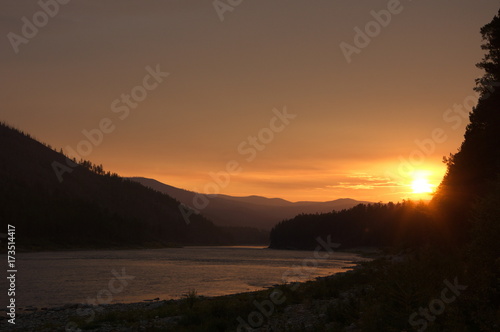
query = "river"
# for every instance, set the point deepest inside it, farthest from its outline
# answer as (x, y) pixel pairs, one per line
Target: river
(47, 279)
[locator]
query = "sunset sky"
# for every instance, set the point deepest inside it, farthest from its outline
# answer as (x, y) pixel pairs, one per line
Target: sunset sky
(373, 124)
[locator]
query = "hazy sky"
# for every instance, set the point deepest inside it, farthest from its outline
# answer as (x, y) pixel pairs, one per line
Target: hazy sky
(356, 104)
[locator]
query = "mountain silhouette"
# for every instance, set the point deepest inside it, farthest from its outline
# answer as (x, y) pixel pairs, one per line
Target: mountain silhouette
(250, 211)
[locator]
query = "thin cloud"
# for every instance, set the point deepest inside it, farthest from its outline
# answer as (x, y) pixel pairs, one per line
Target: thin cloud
(364, 181)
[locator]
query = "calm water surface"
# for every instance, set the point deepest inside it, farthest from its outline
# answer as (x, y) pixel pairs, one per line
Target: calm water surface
(56, 278)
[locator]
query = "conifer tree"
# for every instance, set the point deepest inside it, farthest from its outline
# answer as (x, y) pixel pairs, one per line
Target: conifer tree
(474, 168)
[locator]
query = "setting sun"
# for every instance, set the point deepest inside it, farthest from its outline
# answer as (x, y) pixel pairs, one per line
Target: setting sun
(421, 185)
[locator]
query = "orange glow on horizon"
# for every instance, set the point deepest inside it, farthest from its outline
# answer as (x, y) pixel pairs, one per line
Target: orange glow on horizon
(352, 129)
(325, 183)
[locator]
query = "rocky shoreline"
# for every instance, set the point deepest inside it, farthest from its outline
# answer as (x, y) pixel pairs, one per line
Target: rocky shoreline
(297, 316)
(66, 318)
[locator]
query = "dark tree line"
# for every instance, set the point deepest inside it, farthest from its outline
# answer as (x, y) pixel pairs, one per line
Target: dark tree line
(365, 225)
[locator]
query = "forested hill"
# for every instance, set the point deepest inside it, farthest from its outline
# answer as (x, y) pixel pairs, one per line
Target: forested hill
(88, 208)
(373, 225)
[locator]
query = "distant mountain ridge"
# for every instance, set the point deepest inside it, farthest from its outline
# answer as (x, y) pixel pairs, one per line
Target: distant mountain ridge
(250, 211)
